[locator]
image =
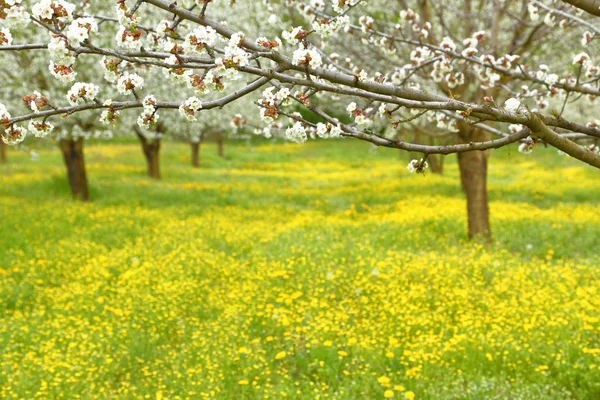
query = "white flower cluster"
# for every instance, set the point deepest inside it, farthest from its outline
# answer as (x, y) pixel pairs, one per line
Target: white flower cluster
(269, 110)
(62, 72)
(293, 35)
(80, 29)
(189, 108)
(417, 166)
(59, 51)
(40, 129)
(4, 114)
(366, 23)
(235, 55)
(198, 40)
(327, 131)
(82, 92)
(61, 64)
(421, 55)
(586, 38)
(5, 37)
(149, 116)
(109, 116)
(582, 58)
(296, 133)
(129, 38)
(338, 6)
(512, 105)
(544, 75)
(14, 135)
(110, 68)
(534, 12)
(125, 17)
(360, 116)
(13, 14)
(164, 28)
(527, 146)
(442, 121)
(127, 83)
(307, 57)
(49, 10)
(515, 128)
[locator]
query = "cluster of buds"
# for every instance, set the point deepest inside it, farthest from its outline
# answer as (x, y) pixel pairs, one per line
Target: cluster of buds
(268, 44)
(36, 101)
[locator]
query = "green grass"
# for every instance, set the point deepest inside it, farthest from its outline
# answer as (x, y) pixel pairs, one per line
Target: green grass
(153, 288)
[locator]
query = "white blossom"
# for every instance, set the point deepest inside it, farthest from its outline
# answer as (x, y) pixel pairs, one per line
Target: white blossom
(512, 104)
(127, 83)
(189, 108)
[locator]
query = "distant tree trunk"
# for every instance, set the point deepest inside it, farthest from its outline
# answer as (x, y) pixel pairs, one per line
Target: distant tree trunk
(151, 149)
(72, 151)
(436, 162)
(473, 172)
(416, 139)
(195, 154)
(2, 152)
(220, 145)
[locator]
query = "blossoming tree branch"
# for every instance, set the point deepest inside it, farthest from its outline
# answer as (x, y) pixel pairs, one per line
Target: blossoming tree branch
(492, 73)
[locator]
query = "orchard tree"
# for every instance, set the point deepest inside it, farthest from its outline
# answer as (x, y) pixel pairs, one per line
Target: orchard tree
(496, 73)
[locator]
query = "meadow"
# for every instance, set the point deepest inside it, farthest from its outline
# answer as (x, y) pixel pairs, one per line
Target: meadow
(322, 271)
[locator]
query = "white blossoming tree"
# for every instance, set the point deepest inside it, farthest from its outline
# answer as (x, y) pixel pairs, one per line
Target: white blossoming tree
(496, 74)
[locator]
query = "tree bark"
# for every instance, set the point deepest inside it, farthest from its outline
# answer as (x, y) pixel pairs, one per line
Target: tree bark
(220, 145)
(72, 151)
(473, 173)
(151, 149)
(590, 6)
(2, 152)
(436, 162)
(195, 154)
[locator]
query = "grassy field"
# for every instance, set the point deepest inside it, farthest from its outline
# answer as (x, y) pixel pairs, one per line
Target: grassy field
(300, 272)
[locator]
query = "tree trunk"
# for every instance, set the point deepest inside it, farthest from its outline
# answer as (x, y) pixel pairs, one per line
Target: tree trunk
(195, 154)
(72, 151)
(151, 149)
(2, 152)
(473, 173)
(220, 145)
(436, 162)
